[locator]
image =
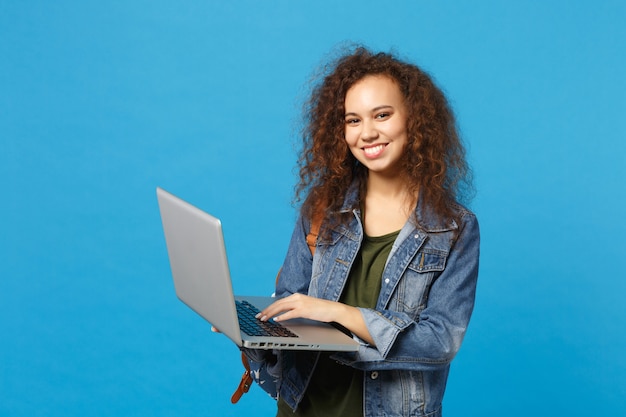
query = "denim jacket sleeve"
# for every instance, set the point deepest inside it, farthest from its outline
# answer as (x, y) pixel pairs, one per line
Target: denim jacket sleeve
(432, 339)
(264, 369)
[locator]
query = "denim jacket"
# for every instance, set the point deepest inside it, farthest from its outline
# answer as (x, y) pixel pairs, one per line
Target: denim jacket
(422, 313)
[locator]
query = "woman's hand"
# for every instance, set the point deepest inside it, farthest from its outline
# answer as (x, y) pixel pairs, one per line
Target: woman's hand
(301, 306)
(307, 307)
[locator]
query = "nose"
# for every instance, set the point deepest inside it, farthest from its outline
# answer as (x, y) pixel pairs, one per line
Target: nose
(369, 132)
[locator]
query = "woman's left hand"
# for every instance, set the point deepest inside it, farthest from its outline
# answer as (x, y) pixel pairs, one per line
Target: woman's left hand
(303, 306)
(307, 307)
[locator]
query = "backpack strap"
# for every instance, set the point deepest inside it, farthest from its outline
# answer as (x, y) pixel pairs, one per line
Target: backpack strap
(245, 383)
(316, 224)
(246, 378)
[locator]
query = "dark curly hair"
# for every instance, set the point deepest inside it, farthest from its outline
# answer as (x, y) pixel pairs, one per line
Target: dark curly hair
(433, 162)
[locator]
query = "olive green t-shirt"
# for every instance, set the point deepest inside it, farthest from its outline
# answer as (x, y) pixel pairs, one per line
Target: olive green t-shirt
(336, 389)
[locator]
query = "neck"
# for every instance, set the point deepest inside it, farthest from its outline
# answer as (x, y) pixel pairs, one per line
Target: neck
(389, 187)
(387, 205)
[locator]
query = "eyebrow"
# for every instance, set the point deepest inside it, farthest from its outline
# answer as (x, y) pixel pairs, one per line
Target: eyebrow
(375, 109)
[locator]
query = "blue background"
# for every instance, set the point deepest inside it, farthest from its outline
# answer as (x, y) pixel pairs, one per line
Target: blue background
(100, 102)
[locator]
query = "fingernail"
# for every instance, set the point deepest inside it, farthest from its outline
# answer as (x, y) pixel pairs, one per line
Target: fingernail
(257, 316)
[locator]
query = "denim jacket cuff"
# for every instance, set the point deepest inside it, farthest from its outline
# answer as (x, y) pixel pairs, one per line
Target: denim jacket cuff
(384, 327)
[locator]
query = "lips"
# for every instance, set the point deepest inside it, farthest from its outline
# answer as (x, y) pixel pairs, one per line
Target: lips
(375, 150)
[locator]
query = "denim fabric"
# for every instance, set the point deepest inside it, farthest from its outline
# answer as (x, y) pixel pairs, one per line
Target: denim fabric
(423, 310)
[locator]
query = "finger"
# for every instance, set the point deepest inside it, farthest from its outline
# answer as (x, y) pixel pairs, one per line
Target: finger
(276, 309)
(269, 313)
(291, 313)
(285, 316)
(279, 307)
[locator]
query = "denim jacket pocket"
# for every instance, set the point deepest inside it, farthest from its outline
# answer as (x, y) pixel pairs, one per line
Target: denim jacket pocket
(414, 288)
(331, 261)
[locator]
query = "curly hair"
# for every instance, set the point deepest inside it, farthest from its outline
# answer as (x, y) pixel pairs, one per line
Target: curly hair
(434, 162)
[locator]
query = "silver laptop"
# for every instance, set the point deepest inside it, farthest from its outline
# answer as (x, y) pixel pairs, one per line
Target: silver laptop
(197, 254)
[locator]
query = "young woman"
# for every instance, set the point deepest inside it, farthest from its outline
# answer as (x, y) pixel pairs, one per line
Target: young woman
(396, 259)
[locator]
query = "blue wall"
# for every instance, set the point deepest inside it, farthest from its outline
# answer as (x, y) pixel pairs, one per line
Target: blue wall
(100, 103)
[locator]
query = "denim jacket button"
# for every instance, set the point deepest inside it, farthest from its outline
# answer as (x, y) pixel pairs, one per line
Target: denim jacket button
(416, 236)
(374, 375)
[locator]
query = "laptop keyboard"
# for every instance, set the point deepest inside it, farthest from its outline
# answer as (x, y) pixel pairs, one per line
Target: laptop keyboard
(255, 327)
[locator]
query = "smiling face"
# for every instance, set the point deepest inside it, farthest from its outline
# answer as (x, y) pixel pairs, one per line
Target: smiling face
(375, 124)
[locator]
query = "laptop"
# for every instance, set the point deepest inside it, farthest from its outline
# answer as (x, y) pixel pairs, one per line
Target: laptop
(197, 255)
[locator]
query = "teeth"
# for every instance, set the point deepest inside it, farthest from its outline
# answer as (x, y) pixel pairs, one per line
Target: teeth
(374, 150)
